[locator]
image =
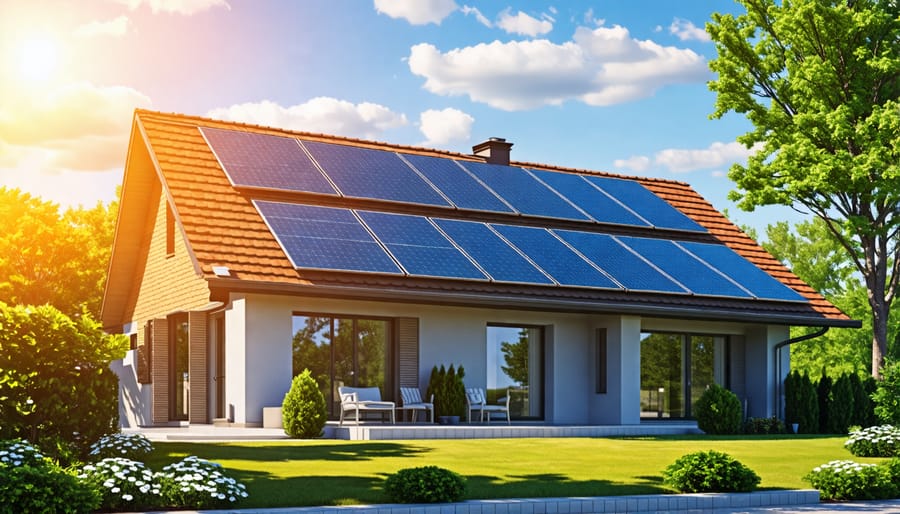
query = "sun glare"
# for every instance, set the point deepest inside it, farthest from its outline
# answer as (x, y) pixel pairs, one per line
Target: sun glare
(37, 58)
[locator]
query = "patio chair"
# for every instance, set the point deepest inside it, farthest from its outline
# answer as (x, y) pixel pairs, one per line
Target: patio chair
(476, 400)
(412, 400)
(361, 400)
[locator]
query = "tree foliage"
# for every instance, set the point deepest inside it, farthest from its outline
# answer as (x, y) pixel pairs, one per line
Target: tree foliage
(515, 357)
(818, 79)
(56, 388)
(48, 257)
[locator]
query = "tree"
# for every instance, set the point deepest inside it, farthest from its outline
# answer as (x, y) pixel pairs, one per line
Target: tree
(818, 79)
(50, 258)
(515, 355)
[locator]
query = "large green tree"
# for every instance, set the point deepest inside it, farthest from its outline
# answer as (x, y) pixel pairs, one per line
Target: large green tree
(818, 79)
(52, 258)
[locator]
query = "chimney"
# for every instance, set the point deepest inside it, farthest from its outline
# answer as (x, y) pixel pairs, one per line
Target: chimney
(495, 150)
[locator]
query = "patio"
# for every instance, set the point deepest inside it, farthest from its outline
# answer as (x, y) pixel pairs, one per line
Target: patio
(372, 431)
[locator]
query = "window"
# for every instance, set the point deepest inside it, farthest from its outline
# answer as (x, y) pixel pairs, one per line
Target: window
(675, 371)
(515, 365)
(602, 361)
(179, 379)
(343, 351)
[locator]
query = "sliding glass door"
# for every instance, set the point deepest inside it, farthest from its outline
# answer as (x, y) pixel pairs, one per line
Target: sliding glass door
(675, 371)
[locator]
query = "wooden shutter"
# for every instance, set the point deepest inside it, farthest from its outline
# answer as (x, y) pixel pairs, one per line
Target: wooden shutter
(408, 351)
(159, 369)
(144, 354)
(198, 368)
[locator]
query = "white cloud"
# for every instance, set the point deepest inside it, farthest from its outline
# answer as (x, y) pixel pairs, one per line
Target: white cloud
(78, 127)
(523, 24)
(322, 114)
(603, 66)
(445, 126)
(478, 16)
(185, 7)
(116, 28)
(686, 30)
(715, 156)
(417, 12)
(638, 163)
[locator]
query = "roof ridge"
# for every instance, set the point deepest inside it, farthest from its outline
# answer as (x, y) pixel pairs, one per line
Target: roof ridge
(418, 149)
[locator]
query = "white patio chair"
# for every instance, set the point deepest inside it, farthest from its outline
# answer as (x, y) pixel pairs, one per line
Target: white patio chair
(412, 400)
(476, 400)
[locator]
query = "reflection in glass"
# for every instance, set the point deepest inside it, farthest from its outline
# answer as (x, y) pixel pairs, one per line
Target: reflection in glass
(515, 364)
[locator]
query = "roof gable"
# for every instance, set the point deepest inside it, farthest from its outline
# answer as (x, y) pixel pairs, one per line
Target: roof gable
(228, 182)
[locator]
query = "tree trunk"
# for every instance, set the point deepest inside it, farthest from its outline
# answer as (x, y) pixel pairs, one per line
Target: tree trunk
(879, 335)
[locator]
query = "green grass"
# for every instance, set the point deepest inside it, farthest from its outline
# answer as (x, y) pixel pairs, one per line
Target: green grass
(329, 472)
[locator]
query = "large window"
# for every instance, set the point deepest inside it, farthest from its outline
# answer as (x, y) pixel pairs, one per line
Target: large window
(675, 371)
(343, 351)
(515, 366)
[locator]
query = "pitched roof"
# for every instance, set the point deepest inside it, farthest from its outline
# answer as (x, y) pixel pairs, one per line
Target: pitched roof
(224, 228)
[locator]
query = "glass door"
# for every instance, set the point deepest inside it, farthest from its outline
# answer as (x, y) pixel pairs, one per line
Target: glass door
(179, 376)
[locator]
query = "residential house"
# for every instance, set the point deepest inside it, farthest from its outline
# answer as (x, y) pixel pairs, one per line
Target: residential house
(244, 254)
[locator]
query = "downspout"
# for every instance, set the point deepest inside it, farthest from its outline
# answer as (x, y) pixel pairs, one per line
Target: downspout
(779, 401)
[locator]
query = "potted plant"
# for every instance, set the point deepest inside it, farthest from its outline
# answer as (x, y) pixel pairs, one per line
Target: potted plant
(446, 384)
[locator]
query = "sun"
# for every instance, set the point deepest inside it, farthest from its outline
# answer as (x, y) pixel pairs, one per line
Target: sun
(38, 57)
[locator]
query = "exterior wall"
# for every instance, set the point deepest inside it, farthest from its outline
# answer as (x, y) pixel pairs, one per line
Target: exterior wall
(259, 333)
(134, 397)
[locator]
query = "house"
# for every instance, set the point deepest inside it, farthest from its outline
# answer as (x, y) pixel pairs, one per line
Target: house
(244, 254)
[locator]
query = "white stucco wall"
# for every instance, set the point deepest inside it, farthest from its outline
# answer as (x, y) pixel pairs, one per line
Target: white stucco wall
(259, 367)
(134, 398)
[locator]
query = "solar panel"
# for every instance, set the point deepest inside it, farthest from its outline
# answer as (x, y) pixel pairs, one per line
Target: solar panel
(645, 203)
(623, 265)
(457, 184)
(419, 247)
(521, 190)
(758, 282)
(261, 160)
(325, 238)
(588, 198)
(367, 173)
(683, 267)
(493, 254)
(554, 257)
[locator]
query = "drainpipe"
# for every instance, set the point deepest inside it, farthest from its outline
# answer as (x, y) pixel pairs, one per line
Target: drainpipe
(779, 401)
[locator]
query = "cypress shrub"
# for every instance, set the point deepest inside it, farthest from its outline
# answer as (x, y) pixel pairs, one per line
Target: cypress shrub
(793, 397)
(823, 390)
(861, 402)
(718, 411)
(303, 412)
(870, 385)
(808, 415)
(840, 406)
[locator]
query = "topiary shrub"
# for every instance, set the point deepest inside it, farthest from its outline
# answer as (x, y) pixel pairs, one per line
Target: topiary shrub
(718, 411)
(710, 472)
(428, 484)
(303, 412)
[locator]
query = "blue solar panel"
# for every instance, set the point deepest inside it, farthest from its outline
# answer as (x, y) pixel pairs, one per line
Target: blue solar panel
(589, 199)
(627, 268)
(646, 204)
(367, 173)
(758, 282)
(325, 238)
(683, 267)
(460, 187)
(419, 247)
(554, 257)
(521, 190)
(260, 160)
(494, 255)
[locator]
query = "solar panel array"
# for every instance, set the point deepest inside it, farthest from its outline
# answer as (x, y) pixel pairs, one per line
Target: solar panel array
(343, 239)
(368, 241)
(275, 162)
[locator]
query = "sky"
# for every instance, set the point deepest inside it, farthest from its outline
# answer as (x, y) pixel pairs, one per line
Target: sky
(608, 85)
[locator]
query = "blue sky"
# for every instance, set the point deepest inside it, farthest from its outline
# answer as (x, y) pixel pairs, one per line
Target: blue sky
(617, 86)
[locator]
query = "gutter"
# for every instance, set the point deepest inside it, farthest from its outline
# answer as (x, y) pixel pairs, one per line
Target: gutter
(779, 400)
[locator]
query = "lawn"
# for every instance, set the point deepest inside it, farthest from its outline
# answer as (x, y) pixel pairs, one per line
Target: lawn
(331, 472)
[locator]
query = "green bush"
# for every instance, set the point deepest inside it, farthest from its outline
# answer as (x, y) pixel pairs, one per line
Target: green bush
(303, 411)
(848, 480)
(880, 441)
(200, 484)
(801, 404)
(823, 393)
(762, 426)
(862, 404)
(44, 488)
(129, 446)
(56, 388)
(710, 472)
(428, 484)
(449, 390)
(718, 411)
(840, 406)
(123, 484)
(887, 394)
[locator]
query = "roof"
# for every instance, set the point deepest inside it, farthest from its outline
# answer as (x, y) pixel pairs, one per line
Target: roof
(224, 227)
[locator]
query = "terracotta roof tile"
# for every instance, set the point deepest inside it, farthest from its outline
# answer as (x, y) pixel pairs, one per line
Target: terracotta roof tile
(224, 229)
